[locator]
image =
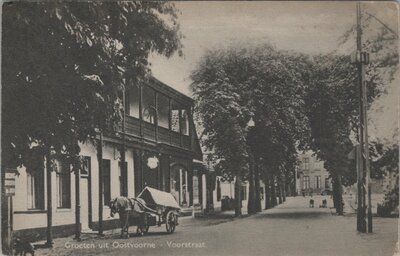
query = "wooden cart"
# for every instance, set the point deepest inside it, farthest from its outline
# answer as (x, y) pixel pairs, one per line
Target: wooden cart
(155, 208)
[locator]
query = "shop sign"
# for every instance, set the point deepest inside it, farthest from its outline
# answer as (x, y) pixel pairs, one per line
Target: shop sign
(152, 162)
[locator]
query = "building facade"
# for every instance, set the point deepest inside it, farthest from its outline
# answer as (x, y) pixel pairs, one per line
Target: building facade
(312, 177)
(161, 148)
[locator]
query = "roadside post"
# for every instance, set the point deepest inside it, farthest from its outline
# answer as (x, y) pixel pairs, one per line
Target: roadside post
(9, 186)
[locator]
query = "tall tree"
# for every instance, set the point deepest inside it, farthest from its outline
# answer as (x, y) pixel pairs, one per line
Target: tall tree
(64, 65)
(221, 106)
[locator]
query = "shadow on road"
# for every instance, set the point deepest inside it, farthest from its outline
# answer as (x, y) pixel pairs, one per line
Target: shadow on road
(293, 215)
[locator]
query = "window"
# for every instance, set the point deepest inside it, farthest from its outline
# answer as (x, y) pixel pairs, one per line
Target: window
(317, 181)
(132, 101)
(64, 185)
(179, 118)
(123, 179)
(184, 122)
(85, 168)
(106, 182)
(149, 105)
(306, 162)
(306, 182)
(163, 111)
(36, 189)
(175, 124)
(327, 182)
(196, 198)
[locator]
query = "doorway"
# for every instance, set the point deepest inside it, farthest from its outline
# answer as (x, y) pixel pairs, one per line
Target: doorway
(179, 185)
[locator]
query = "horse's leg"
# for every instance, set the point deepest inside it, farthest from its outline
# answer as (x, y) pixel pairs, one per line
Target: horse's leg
(122, 222)
(127, 223)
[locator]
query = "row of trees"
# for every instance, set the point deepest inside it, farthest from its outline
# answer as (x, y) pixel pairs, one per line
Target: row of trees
(297, 102)
(232, 87)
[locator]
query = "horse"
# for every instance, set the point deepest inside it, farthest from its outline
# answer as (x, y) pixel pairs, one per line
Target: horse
(130, 206)
(122, 206)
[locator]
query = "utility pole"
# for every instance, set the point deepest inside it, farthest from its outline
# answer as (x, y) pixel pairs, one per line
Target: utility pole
(100, 161)
(362, 58)
(124, 171)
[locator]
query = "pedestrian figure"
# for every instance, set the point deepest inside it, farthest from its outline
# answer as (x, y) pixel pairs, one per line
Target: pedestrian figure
(311, 202)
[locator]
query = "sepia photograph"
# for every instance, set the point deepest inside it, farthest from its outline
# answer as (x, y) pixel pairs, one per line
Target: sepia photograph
(200, 128)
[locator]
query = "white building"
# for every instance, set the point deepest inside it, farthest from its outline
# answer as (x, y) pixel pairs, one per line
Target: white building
(161, 152)
(311, 175)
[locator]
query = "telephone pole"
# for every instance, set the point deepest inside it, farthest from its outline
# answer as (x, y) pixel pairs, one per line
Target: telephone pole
(362, 59)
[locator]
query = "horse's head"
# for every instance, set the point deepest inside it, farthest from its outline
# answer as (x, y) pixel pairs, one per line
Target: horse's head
(113, 207)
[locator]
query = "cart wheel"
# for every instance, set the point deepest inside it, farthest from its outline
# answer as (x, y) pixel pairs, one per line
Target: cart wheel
(170, 222)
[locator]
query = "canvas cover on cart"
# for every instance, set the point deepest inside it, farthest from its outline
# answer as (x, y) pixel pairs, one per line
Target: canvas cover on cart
(157, 197)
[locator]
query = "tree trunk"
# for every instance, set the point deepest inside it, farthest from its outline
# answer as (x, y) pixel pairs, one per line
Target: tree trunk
(284, 191)
(340, 198)
(238, 196)
(279, 190)
(257, 185)
(77, 206)
(274, 202)
(49, 230)
(337, 193)
(288, 191)
(267, 192)
(251, 199)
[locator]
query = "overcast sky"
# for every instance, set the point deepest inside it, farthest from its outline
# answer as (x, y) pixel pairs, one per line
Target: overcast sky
(307, 27)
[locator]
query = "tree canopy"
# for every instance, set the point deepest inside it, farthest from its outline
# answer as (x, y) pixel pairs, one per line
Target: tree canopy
(64, 64)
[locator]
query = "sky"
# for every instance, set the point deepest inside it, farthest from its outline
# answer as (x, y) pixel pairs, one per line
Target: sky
(306, 27)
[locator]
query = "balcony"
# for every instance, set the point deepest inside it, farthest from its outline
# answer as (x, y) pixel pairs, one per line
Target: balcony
(156, 134)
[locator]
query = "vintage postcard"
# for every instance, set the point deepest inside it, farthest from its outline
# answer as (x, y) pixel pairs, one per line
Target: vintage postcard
(200, 128)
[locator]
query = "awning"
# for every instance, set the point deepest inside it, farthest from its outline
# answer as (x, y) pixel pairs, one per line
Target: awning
(199, 165)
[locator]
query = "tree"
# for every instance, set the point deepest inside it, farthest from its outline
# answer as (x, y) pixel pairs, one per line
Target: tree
(332, 97)
(221, 106)
(64, 65)
(233, 85)
(281, 125)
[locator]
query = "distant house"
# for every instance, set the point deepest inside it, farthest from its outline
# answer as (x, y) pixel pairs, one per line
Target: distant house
(311, 176)
(162, 151)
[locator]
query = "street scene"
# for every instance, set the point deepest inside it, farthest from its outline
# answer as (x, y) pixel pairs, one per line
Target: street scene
(200, 128)
(279, 231)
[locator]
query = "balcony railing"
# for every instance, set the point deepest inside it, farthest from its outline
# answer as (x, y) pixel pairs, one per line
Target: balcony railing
(161, 134)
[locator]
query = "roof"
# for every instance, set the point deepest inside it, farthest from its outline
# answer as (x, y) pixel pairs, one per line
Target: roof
(154, 196)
